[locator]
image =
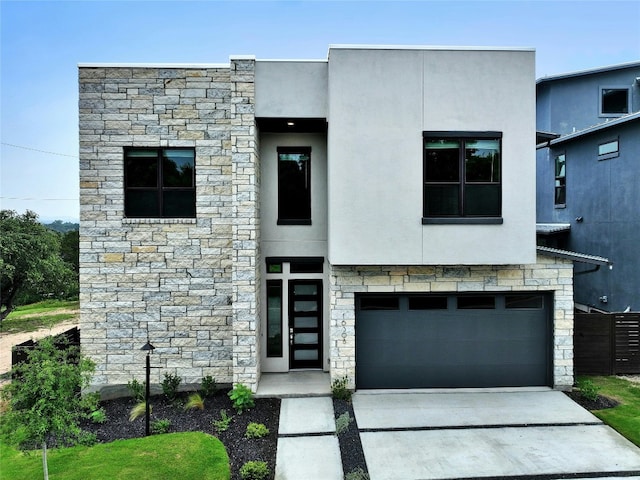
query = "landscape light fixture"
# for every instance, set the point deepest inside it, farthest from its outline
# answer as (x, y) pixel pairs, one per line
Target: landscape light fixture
(147, 347)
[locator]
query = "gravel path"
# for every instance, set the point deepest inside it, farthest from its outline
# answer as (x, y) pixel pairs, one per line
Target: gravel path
(8, 340)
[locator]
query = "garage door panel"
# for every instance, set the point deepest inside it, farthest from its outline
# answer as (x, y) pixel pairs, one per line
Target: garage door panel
(452, 348)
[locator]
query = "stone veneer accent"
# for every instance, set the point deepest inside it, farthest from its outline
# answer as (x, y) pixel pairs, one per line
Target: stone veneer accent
(168, 279)
(246, 227)
(548, 274)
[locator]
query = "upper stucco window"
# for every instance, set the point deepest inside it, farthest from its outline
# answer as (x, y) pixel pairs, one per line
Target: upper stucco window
(159, 183)
(608, 150)
(614, 101)
(294, 185)
(462, 177)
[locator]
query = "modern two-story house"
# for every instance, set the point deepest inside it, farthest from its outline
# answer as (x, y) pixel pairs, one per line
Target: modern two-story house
(589, 178)
(371, 215)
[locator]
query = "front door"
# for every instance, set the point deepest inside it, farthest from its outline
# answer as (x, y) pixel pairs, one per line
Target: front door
(305, 324)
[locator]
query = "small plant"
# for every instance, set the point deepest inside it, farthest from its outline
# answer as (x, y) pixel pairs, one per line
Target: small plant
(136, 389)
(194, 401)
(138, 410)
(242, 398)
(340, 389)
(254, 470)
(208, 386)
(222, 425)
(342, 423)
(588, 390)
(87, 439)
(170, 386)
(256, 430)
(357, 474)
(160, 426)
(98, 416)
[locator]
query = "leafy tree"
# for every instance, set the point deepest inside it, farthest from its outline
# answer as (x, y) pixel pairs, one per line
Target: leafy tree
(30, 261)
(70, 249)
(45, 398)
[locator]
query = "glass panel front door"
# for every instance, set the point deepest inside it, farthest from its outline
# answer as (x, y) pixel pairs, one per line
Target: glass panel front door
(305, 327)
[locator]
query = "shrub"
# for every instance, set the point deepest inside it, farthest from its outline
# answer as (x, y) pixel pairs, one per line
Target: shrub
(222, 425)
(195, 401)
(340, 389)
(342, 423)
(138, 410)
(137, 389)
(208, 386)
(256, 430)
(588, 390)
(160, 426)
(170, 386)
(357, 474)
(241, 397)
(254, 470)
(98, 416)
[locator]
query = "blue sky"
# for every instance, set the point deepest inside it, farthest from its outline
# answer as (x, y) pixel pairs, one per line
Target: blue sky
(42, 43)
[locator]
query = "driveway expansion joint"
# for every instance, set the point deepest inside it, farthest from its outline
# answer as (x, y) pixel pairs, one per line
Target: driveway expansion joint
(557, 476)
(480, 427)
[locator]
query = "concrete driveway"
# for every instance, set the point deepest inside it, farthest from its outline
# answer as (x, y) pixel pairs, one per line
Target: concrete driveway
(524, 433)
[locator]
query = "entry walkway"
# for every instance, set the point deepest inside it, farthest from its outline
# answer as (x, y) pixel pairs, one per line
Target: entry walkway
(307, 445)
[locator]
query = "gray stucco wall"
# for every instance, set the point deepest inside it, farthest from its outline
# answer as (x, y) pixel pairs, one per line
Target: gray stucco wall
(380, 102)
(606, 195)
(573, 103)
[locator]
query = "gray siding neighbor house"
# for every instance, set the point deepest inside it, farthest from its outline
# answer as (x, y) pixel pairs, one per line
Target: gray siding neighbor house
(371, 215)
(589, 179)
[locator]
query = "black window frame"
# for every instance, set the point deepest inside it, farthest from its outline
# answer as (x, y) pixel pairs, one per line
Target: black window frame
(161, 191)
(560, 182)
(463, 217)
(608, 155)
(286, 217)
(601, 100)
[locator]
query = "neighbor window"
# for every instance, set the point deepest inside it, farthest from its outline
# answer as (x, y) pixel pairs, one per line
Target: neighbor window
(608, 150)
(462, 175)
(560, 181)
(294, 185)
(614, 101)
(159, 183)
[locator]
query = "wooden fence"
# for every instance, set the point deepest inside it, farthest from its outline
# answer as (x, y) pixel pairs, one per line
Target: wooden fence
(606, 344)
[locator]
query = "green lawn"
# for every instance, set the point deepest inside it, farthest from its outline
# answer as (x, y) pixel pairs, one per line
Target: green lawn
(625, 418)
(176, 455)
(48, 313)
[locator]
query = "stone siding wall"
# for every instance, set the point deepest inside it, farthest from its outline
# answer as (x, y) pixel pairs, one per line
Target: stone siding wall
(246, 227)
(168, 279)
(547, 275)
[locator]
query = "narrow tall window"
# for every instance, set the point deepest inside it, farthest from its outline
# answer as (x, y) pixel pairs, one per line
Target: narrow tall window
(614, 101)
(159, 183)
(294, 185)
(462, 174)
(560, 181)
(274, 318)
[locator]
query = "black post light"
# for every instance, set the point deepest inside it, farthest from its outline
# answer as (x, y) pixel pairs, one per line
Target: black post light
(147, 347)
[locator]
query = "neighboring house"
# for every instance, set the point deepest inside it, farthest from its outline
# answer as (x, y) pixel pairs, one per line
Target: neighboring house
(371, 214)
(589, 179)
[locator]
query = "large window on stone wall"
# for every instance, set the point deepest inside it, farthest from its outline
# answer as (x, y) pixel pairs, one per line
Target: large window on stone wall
(294, 185)
(159, 183)
(462, 177)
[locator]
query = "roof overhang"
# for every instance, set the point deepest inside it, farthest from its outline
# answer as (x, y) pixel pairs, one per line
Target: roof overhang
(574, 256)
(596, 128)
(543, 138)
(551, 228)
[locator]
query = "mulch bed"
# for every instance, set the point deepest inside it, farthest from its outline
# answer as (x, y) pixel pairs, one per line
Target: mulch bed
(349, 440)
(240, 449)
(599, 403)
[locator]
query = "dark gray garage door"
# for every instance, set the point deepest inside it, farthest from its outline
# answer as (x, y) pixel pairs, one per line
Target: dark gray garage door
(453, 341)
